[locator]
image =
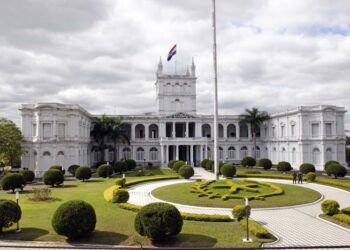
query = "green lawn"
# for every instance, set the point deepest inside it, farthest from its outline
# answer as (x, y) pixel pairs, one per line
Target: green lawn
(293, 195)
(114, 225)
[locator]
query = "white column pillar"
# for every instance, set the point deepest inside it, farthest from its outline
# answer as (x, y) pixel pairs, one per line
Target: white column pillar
(191, 155)
(167, 154)
(225, 131)
(249, 132)
(177, 152)
(201, 153)
(133, 132)
(173, 131)
(146, 131)
(187, 130)
(237, 131)
(206, 151)
(161, 154)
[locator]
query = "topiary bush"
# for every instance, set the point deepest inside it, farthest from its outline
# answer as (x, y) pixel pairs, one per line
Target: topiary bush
(120, 195)
(178, 165)
(158, 221)
(58, 167)
(120, 182)
(210, 165)
(329, 163)
(186, 171)
(346, 210)
(72, 169)
(130, 164)
(239, 212)
(336, 170)
(53, 177)
(10, 213)
(265, 163)
(171, 163)
(120, 166)
(74, 219)
(28, 175)
(228, 170)
(284, 166)
(104, 171)
(83, 173)
(310, 177)
(12, 181)
(204, 163)
(330, 207)
(307, 167)
(248, 161)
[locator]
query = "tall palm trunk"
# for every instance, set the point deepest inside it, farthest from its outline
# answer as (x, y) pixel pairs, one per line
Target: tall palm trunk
(254, 143)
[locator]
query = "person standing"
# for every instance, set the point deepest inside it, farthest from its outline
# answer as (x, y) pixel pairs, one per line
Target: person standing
(300, 178)
(294, 177)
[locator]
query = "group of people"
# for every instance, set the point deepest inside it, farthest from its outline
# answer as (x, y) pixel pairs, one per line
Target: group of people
(297, 176)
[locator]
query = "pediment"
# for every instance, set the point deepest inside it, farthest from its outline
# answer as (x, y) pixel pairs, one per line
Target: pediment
(180, 115)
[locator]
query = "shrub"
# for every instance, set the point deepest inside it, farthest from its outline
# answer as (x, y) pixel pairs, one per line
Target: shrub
(248, 161)
(83, 173)
(41, 194)
(178, 165)
(72, 169)
(120, 166)
(228, 170)
(310, 177)
(329, 163)
(28, 175)
(120, 182)
(171, 163)
(158, 221)
(12, 181)
(104, 171)
(239, 212)
(336, 170)
(256, 229)
(130, 164)
(284, 166)
(74, 219)
(58, 167)
(265, 163)
(120, 195)
(330, 207)
(342, 218)
(346, 210)
(10, 213)
(307, 167)
(186, 171)
(53, 177)
(210, 165)
(204, 163)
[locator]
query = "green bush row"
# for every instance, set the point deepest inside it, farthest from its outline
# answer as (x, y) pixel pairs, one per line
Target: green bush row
(342, 218)
(256, 229)
(135, 182)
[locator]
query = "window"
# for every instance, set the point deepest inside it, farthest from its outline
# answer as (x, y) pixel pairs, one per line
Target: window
(284, 154)
(244, 151)
(292, 130)
(61, 130)
(316, 156)
(266, 132)
(257, 152)
(329, 154)
(282, 131)
(126, 154)
(231, 153)
(46, 153)
(273, 131)
(47, 130)
(140, 154)
(328, 129)
(153, 154)
(34, 130)
(315, 130)
(221, 153)
(294, 154)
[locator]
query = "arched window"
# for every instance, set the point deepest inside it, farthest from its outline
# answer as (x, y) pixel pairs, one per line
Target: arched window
(231, 153)
(140, 131)
(153, 154)
(206, 130)
(231, 131)
(221, 153)
(316, 156)
(60, 153)
(153, 131)
(274, 154)
(244, 151)
(294, 155)
(126, 153)
(140, 154)
(257, 152)
(243, 131)
(46, 153)
(284, 154)
(329, 154)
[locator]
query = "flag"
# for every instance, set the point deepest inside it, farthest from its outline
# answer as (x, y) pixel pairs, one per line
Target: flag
(172, 52)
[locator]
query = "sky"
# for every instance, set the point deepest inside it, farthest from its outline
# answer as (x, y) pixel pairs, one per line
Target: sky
(103, 54)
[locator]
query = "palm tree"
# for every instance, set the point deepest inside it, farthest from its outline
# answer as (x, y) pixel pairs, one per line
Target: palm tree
(100, 130)
(255, 119)
(119, 132)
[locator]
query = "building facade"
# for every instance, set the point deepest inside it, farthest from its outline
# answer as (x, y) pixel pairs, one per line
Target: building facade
(59, 134)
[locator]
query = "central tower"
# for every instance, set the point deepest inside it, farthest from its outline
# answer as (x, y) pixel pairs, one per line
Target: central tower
(176, 93)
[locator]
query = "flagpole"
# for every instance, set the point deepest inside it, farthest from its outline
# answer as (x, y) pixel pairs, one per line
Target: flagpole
(176, 61)
(216, 163)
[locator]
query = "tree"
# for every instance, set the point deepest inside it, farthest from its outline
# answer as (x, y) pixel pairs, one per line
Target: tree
(255, 119)
(10, 142)
(100, 131)
(118, 132)
(347, 151)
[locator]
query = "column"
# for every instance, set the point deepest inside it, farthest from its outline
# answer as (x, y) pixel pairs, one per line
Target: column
(187, 153)
(237, 132)
(187, 130)
(173, 131)
(201, 153)
(225, 131)
(146, 131)
(206, 151)
(191, 155)
(161, 154)
(133, 132)
(177, 152)
(249, 132)
(167, 154)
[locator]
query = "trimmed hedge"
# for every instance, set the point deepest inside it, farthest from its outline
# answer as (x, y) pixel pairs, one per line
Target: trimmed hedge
(307, 167)
(334, 182)
(329, 163)
(204, 163)
(342, 218)
(72, 169)
(248, 161)
(256, 229)
(120, 195)
(58, 167)
(53, 177)
(28, 175)
(265, 163)
(284, 166)
(130, 164)
(158, 221)
(130, 207)
(74, 219)
(186, 171)
(310, 177)
(171, 163)
(228, 170)
(83, 173)
(10, 213)
(210, 165)
(178, 165)
(120, 166)
(330, 207)
(104, 171)
(346, 210)
(12, 181)
(239, 212)
(336, 170)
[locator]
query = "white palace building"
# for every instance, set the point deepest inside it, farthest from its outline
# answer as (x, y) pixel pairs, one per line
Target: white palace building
(60, 133)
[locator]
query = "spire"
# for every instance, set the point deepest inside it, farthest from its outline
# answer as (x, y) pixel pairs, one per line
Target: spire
(160, 67)
(188, 70)
(193, 68)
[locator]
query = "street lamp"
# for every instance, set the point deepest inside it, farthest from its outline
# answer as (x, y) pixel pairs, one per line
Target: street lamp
(17, 200)
(247, 212)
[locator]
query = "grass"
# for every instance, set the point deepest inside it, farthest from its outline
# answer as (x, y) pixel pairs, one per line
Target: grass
(115, 225)
(293, 195)
(335, 221)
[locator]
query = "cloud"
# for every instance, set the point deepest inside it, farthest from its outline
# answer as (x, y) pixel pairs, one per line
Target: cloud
(103, 54)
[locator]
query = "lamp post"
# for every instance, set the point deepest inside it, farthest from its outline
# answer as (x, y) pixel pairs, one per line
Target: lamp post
(247, 212)
(17, 200)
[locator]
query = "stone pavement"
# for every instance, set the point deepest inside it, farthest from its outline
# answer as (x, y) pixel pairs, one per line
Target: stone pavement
(293, 226)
